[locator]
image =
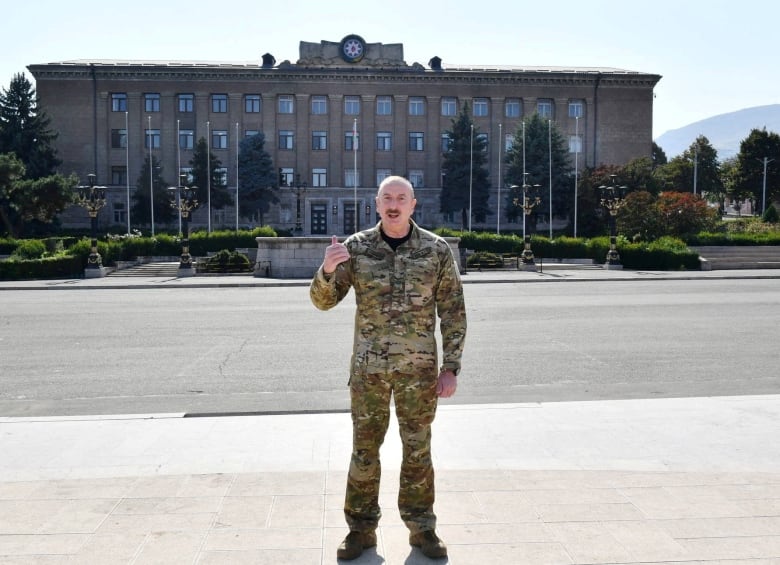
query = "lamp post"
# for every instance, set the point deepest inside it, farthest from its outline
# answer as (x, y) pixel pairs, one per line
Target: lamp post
(93, 198)
(527, 205)
(300, 188)
(183, 198)
(611, 198)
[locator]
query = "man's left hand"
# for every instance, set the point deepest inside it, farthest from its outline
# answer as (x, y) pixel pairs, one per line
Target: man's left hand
(447, 384)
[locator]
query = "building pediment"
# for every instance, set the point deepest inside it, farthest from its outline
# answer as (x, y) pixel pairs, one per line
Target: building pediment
(351, 51)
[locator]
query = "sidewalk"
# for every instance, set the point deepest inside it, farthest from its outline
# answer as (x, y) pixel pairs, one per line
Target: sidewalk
(545, 273)
(692, 480)
(629, 481)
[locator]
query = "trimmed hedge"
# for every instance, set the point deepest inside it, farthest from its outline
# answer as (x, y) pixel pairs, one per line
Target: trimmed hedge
(61, 267)
(664, 254)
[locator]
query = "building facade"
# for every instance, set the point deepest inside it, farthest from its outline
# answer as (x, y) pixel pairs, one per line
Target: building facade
(345, 115)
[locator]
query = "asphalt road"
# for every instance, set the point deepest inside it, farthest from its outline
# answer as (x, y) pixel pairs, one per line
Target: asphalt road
(250, 350)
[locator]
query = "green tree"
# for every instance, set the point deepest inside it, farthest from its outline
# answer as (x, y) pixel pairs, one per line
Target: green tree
(24, 129)
(592, 216)
(658, 156)
(23, 202)
(256, 178)
(163, 211)
(642, 174)
(466, 177)
(545, 149)
(638, 217)
(698, 162)
(202, 161)
(757, 146)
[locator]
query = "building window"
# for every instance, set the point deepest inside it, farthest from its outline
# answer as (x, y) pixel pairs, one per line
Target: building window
(186, 103)
(252, 103)
(351, 178)
(416, 141)
(153, 136)
(119, 212)
(219, 103)
(382, 174)
(286, 104)
(352, 105)
(446, 142)
(319, 177)
(449, 106)
(509, 141)
(416, 178)
(119, 176)
(512, 108)
(384, 105)
(544, 107)
(118, 138)
(416, 106)
(480, 107)
(151, 102)
(251, 132)
(576, 108)
(482, 139)
(186, 139)
(219, 139)
(119, 102)
(351, 141)
(319, 140)
(221, 176)
(384, 141)
(286, 139)
(286, 176)
(319, 105)
(575, 144)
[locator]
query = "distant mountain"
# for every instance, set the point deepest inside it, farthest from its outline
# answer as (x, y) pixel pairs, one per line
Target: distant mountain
(725, 131)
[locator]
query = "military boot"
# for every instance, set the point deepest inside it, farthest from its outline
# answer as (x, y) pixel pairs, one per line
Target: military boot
(429, 543)
(354, 544)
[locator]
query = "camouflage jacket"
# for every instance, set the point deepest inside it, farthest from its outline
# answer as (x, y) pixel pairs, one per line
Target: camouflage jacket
(398, 295)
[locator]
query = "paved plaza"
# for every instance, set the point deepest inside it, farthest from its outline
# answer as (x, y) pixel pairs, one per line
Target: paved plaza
(682, 480)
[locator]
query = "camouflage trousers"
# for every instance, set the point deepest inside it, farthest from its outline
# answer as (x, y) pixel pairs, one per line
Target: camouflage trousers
(415, 407)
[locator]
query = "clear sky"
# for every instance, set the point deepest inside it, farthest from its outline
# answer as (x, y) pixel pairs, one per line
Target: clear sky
(715, 57)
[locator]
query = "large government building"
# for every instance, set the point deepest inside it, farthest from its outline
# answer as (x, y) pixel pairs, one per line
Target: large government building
(340, 118)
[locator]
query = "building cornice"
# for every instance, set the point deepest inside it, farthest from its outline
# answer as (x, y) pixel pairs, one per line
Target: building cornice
(286, 72)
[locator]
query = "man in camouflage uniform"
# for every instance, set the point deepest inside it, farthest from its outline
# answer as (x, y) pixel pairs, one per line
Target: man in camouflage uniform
(403, 277)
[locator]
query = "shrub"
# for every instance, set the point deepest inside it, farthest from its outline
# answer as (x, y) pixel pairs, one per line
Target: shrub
(60, 267)
(29, 249)
(225, 261)
(771, 216)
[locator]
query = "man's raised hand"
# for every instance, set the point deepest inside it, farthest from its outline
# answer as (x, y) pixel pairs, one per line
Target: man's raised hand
(335, 254)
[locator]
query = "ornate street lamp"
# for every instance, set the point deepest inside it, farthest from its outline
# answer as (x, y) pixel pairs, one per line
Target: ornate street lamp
(612, 198)
(183, 199)
(93, 198)
(300, 188)
(527, 205)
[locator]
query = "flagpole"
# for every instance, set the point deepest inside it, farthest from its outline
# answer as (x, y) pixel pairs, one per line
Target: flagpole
(576, 167)
(178, 166)
(354, 176)
(498, 196)
(236, 177)
(208, 172)
(471, 170)
(151, 174)
(549, 149)
(127, 169)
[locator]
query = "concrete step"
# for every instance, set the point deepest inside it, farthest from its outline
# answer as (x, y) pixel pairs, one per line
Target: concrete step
(157, 269)
(722, 257)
